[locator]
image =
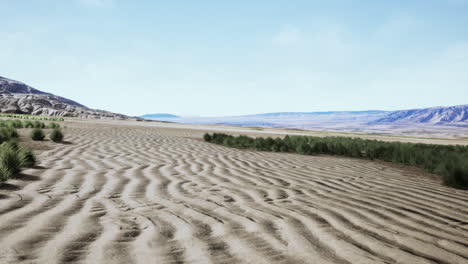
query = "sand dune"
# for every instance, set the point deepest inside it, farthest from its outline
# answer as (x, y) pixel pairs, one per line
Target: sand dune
(143, 194)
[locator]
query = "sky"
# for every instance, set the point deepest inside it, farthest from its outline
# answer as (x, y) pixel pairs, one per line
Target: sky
(221, 58)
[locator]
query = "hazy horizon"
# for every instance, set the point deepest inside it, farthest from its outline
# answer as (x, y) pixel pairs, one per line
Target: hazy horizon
(210, 58)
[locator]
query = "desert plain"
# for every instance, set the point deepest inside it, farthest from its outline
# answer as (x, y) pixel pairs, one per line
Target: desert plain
(136, 192)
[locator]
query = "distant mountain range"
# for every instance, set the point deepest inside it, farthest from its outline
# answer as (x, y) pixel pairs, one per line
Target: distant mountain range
(17, 97)
(436, 116)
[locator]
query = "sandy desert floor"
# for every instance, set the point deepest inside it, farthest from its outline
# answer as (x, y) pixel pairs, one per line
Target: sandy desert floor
(150, 194)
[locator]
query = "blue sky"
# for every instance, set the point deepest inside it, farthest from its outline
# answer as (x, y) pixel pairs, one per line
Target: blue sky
(212, 58)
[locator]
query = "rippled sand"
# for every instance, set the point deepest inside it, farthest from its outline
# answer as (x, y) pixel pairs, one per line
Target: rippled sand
(146, 194)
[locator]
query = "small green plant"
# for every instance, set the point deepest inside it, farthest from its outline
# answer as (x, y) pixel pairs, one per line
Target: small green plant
(5, 172)
(56, 135)
(37, 134)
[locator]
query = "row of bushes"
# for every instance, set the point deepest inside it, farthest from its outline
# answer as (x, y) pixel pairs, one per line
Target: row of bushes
(12, 156)
(33, 117)
(449, 161)
(16, 123)
(38, 134)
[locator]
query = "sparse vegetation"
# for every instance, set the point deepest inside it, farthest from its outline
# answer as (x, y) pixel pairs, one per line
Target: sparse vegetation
(451, 162)
(37, 134)
(32, 117)
(16, 123)
(56, 135)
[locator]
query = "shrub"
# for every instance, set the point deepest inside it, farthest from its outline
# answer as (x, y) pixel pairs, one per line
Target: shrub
(7, 133)
(17, 123)
(13, 158)
(28, 124)
(38, 124)
(56, 135)
(10, 162)
(207, 137)
(37, 134)
(53, 125)
(27, 157)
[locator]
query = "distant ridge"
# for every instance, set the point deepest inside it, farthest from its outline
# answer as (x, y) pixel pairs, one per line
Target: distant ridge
(434, 115)
(454, 116)
(159, 115)
(17, 97)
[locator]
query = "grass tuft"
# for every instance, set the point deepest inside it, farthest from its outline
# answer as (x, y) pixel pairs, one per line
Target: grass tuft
(27, 157)
(10, 162)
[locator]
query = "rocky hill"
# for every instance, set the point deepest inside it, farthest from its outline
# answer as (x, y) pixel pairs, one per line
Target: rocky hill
(17, 97)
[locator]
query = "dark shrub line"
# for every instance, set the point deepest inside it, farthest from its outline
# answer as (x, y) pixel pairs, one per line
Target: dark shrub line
(449, 161)
(32, 117)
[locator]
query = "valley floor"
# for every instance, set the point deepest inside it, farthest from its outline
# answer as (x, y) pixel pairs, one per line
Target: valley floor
(140, 193)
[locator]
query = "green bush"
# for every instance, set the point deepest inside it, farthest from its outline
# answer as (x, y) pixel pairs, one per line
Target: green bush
(13, 123)
(451, 162)
(13, 158)
(56, 135)
(10, 162)
(37, 134)
(7, 133)
(38, 124)
(53, 125)
(28, 124)
(27, 157)
(207, 137)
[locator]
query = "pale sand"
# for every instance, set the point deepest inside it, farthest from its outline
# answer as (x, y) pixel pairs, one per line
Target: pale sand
(145, 193)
